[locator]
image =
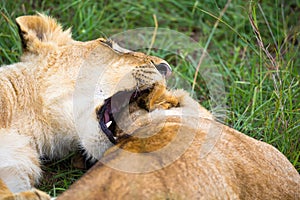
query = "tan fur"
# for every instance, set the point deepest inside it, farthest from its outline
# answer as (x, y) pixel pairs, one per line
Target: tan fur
(48, 100)
(236, 167)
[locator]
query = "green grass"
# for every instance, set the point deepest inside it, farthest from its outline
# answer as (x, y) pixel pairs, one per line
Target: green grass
(262, 83)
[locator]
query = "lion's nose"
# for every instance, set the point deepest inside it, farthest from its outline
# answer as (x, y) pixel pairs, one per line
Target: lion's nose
(164, 69)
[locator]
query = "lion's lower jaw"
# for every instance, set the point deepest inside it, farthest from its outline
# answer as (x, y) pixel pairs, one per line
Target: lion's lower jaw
(93, 141)
(95, 150)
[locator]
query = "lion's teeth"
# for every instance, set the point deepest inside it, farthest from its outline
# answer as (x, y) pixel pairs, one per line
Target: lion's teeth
(108, 124)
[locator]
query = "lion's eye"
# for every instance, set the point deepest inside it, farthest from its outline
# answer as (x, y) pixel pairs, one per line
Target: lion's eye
(113, 45)
(106, 42)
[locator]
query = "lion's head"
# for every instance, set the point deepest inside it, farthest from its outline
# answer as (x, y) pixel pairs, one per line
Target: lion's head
(83, 84)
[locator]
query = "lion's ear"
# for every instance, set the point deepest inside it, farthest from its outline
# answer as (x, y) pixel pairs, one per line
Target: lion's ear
(37, 30)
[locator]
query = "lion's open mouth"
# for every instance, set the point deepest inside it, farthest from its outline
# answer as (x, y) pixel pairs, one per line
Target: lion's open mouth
(114, 105)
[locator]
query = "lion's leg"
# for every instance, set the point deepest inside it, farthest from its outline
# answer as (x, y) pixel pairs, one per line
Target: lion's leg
(161, 98)
(19, 167)
(32, 194)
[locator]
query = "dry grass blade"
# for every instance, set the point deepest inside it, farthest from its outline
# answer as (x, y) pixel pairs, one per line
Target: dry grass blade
(274, 65)
(154, 33)
(207, 44)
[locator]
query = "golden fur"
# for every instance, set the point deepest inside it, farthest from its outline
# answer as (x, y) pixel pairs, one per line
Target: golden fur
(48, 100)
(219, 163)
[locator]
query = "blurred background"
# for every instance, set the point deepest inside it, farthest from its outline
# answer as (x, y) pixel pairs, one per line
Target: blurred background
(254, 45)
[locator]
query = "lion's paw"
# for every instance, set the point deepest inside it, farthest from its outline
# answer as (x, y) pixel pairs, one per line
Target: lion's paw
(33, 194)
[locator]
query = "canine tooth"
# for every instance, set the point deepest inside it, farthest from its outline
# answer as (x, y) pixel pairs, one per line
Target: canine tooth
(108, 124)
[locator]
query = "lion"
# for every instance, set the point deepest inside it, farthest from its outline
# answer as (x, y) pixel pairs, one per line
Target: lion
(48, 100)
(179, 151)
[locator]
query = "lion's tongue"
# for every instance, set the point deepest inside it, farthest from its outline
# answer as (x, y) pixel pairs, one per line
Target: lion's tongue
(115, 105)
(106, 116)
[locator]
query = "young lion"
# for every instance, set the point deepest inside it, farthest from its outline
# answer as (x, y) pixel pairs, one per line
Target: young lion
(183, 153)
(48, 100)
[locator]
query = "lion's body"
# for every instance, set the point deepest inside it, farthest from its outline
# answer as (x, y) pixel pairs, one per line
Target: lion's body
(218, 162)
(48, 100)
